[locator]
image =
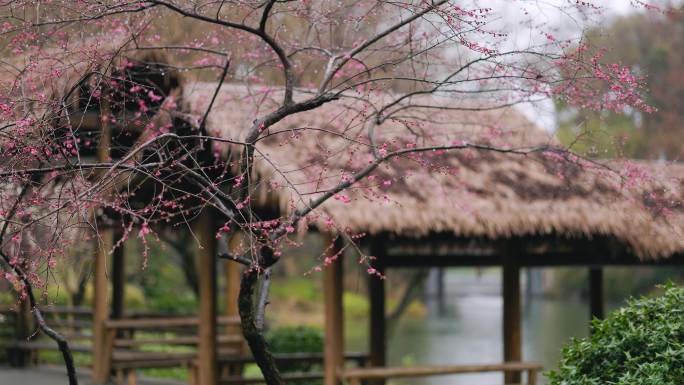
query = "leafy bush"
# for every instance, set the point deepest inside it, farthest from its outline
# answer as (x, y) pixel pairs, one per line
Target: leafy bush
(295, 339)
(639, 344)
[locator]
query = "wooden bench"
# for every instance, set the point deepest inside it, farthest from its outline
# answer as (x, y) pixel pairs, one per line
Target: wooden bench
(125, 342)
(357, 375)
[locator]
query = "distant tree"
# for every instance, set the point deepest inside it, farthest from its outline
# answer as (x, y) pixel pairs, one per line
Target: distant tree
(650, 44)
(64, 60)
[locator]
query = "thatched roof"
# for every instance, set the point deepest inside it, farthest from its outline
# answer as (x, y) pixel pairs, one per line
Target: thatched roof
(63, 87)
(42, 78)
(462, 192)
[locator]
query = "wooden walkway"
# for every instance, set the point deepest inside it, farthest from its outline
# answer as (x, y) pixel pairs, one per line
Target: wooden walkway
(53, 375)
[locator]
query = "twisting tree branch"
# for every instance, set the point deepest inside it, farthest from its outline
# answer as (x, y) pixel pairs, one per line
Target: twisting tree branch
(61, 341)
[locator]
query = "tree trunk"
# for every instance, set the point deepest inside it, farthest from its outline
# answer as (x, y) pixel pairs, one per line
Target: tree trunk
(254, 336)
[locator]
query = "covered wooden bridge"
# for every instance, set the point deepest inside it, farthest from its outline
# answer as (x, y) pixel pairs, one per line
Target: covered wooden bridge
(473, 206)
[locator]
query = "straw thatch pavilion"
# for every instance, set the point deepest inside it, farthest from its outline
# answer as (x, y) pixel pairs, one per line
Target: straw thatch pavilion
(458, 208)
(466, 208)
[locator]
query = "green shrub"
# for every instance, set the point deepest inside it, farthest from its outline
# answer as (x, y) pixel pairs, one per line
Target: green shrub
(295, 339)
(639, 344)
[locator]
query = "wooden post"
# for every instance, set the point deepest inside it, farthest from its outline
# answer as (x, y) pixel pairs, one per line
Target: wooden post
(441, 300)
(378, 330)
(118, 280)
(376, 291)
(101, 357)
(334, 318)
(596, 292)
(232, 275)
(23, 326)
(206, 347)
(105, 242)
(511, 319)
(231, 272)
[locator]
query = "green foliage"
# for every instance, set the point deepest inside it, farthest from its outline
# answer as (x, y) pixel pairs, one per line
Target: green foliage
(133, 296)
(604, 135)
(650, 46)
(639, 344)
(165, 289)
(55, 357)
(7, 298)
(355, 305)
(302, 288)
(293, 339)
(296, 339)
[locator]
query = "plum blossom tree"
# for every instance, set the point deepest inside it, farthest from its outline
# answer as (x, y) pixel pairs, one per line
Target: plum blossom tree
(92, 119)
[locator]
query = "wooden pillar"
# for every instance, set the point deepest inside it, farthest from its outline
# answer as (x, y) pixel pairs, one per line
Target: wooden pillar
(105, 242)
(231, 272)
(118, 280)
(206, 348)
(232, 275)
(596, 292)
(334, 318)
(23, 328)
(101, 357)
(511, 319)
(378, 329)
(376, 292)
(441, 295)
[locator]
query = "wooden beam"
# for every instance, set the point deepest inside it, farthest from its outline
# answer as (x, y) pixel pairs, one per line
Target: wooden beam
(204, 228)
(334, 317)
(545, 259)
(551, 250)
(512, 341)
(422, 371)
(101, 357)
(165, 322)
(596, 293)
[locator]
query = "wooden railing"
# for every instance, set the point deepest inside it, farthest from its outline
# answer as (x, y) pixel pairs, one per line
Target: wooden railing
(358, 375)
(230, 377)
(22, 341)
(125, 338)
(128, 340)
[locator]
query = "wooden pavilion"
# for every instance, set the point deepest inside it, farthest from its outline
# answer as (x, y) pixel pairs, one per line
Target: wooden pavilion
(466, 207)
(461, 208)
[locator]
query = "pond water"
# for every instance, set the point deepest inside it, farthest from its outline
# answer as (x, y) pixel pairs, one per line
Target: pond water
(469, 330)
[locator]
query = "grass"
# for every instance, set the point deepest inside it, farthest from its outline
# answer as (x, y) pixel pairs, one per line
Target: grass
(302, 288)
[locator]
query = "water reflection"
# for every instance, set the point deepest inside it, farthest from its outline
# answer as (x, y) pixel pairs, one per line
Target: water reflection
(470, 330)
